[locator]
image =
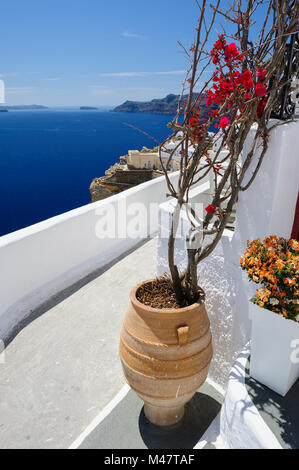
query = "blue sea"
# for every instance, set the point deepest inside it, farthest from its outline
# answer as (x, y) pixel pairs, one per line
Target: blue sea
(48, 158)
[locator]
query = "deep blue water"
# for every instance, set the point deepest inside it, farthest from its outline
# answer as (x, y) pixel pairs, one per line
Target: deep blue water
(49, 157)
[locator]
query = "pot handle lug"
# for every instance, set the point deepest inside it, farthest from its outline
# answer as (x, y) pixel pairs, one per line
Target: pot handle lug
(183, 334)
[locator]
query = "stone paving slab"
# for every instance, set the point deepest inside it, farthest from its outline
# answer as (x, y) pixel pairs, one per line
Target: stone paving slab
(126, 427)
(62, 368)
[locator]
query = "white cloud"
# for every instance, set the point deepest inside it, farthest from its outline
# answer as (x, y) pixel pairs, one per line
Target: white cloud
(141, 74)
(54, 79)
(171, 72)
(126, 34)
(123, 74)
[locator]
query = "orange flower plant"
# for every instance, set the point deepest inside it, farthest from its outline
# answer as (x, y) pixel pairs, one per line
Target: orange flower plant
(274, 264)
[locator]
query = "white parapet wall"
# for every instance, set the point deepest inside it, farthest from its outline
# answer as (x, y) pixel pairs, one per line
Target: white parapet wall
(266, 208)
(39, 261)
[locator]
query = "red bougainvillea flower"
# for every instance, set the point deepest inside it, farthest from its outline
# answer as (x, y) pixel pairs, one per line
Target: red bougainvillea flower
(210, 208)
(193, 122)
(245, 79)
(261, 73)
(220, 43)
(218, 47)
(209, 101)
(234, 85)
(260, 89)
(224, 122)
(230, 52)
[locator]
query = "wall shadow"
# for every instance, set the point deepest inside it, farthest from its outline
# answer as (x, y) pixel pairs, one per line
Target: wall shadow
(281, 414)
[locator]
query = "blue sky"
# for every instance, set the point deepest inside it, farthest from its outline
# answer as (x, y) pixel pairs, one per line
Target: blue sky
(93, 52)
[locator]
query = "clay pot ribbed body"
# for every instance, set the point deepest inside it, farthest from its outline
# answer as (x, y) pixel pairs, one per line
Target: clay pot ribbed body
(165, 355)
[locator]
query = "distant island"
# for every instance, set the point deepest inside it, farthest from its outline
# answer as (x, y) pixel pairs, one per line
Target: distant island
(87, 108)
(22, 107)
(167, 105)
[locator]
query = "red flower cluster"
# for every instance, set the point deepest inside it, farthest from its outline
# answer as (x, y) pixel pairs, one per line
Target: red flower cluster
(260, 89)
(245, 79)
(230, 81)
(261, 74)
(193, 122)
(227, 51)
(223, 123)
(210, 208)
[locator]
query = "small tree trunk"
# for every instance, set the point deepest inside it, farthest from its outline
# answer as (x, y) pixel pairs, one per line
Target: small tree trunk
(193, 275)
(190, 278)
(172, 267)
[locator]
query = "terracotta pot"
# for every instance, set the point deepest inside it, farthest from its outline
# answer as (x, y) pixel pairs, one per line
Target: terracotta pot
(165, 355)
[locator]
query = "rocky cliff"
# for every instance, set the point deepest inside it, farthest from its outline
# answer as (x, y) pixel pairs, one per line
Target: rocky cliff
(167, 105)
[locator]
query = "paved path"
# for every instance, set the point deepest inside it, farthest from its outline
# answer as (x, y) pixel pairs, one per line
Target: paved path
(63, 368)
(126, 426)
